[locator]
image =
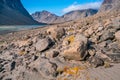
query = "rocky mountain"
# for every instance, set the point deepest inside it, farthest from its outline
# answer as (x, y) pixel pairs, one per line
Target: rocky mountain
(110, 5)
(48, 17)
(44, 16)
(77, 14)
(12, 12)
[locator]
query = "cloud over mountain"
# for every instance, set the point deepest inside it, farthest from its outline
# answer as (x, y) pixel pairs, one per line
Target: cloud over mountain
(76, 6)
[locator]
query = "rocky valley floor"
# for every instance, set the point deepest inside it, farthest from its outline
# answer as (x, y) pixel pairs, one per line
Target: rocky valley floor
(87, 49)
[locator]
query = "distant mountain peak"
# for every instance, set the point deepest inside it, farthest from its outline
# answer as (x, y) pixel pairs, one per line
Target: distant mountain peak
(44, 16)
(47, 17)
(45, 11)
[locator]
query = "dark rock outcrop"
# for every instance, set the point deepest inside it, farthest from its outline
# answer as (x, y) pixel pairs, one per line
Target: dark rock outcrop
(110, 5)
(12, 12)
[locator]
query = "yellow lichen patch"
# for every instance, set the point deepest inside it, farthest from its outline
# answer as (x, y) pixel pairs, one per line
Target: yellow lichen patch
(71, 73)
(107, 65)
(65, 79)
(70, 30)
(70, 39)
(21, 52)
(73, 70)
(62, 79)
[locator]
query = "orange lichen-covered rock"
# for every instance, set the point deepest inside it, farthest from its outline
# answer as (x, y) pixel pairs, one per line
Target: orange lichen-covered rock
(71, 71)
(77, 48)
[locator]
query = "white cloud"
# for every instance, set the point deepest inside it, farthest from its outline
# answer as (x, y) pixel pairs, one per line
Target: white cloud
(76, 6)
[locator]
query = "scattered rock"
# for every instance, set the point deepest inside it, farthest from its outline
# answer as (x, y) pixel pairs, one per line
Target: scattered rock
(61, 50)
(26, 37)
(60, 62)
(107, 35)
(34, 57)
(52, 54)
(117, 36)
(115, 57)
(1, 68)
(48, 69)
(7, 55)
(91, 52)
(100, 28)
(24, 43)
(43, 44)
(103, 44)
(45, 68)
(114, 47)
(56, 32)
(96, 61)
(10, 66)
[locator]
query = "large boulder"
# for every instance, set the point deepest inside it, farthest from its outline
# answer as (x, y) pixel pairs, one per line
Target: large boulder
(43, 44)
(47, 68)
(107, 35)
(76, 50)
(44, 67)
(96, 61)
(51, 53)
(56, 32)
(117, 36)
(23, 43)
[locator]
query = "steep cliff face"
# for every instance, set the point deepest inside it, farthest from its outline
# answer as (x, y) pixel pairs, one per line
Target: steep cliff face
(110, 5)
(12, 12)
(47, 17)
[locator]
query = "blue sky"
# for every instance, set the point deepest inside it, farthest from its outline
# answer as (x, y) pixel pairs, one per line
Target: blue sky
(60, 7)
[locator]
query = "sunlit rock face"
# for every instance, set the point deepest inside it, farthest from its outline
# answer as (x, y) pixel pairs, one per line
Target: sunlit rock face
(12, 12)
(110, 5)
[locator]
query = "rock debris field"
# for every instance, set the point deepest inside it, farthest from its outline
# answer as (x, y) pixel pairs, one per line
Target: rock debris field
(87, 49)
